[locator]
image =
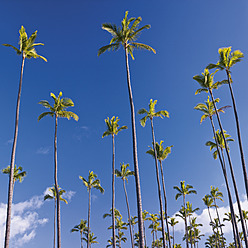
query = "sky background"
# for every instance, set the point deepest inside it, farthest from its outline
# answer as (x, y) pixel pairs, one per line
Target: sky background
(186, 36)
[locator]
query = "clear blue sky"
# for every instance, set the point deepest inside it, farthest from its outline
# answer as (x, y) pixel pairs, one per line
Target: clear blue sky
(186, 36)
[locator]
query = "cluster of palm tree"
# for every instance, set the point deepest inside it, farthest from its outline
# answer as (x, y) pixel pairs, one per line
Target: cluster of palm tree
(126, 36)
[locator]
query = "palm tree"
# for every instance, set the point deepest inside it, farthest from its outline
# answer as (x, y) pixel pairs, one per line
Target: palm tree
(90, 239)
(27, 50)
(126, 35)
(124, 173)
(226, 61)
(52, 190)
(113, 129)
(206, 81)
(18, 174)
(144, 217)
(82, 229)
(162, 154)
(173, 222)
(58, 109)
(208, 110)
(183, 191)
(92, 182)
(150, 115)
(154, 225)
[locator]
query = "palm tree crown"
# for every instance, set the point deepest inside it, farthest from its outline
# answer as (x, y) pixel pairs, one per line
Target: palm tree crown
(113, 126)
(52, 190)
(184, 190)
(125, 35)
(18, 173)
(59, 107)
(227, 59)
(124, 172)
(27, 45)
(151, 113)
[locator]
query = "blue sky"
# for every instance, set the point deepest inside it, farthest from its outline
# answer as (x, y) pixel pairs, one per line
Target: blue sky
(186, 36)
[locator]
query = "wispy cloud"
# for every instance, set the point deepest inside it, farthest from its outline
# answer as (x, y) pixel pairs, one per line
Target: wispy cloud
(10, 141)
(68, 195)
(94, 197)
(24, 222)
(82, 132)
(44, 150)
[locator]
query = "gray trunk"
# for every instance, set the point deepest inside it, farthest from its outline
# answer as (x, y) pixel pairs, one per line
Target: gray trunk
(239, 134)
(88, 237)
(159, 186)
(56, 182)
(113, 190)
(12, 162)
(135, 156)
(232, 172)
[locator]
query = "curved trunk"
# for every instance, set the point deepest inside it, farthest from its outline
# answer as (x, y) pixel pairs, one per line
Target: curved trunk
(54, 224)
(185, 222)
(88, 236)
(113, 191)
(223, 167)
(238, 133)
(165, 203)
(159, 187)
(135, 156)
(129, 216)
(12, 162)
(56, 182)
(232, 172)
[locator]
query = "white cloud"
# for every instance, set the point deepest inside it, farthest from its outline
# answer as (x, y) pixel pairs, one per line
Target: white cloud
(84, 127)
(203, 218)
(10, 141)
(44, 150)
(68, 195)
(94, 197)
(24, 222)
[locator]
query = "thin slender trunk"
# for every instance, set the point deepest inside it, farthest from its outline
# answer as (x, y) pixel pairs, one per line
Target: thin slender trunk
(56, 182)
(144, 233)
(54, 224)
(88, 236)
(221, 231)
(81, 238)
(119, 239)
(129, 216)
(113, 190)
(135, 156)
(185, 222)
(190, 233)
(223, 167)
(165, 203)
(232, 173)
(12, 161)
(159, 186)
(238, 133)
(173, 236)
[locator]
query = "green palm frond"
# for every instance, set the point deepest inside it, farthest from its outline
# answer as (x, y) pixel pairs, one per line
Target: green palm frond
(16, 49)
(110, 47)
(45, 114)
(143, 47)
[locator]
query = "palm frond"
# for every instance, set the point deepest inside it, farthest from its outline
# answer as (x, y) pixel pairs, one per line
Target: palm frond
(143, 47)
(16, 49)
(113, 47)
(45, 114)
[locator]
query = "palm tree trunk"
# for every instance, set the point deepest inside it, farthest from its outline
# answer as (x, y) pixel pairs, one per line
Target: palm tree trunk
(173, 236)
(135, 156)
(113, 190)
(81, 238)
(223, 167)
(218, 216)
(232, 172)
(165, 203)
(185, 222)
(56, 182)
(238, 133)
(129, 216)
(54, 224)
(88, 237)
(159, 186)
(12, 162)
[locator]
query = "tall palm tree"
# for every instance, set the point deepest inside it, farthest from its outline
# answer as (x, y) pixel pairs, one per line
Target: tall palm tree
(183, 191)
(126, 35)
(57, 110)
(206, 81)
(162, 154)
(150, 114)
(82, 229)
(208, 110)
(26, 50)
(227, 59)
(90, 239)
(124, 173)
(113, 129)
(92, 182)
(173, 222)
(52, 195)
(144, 217)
